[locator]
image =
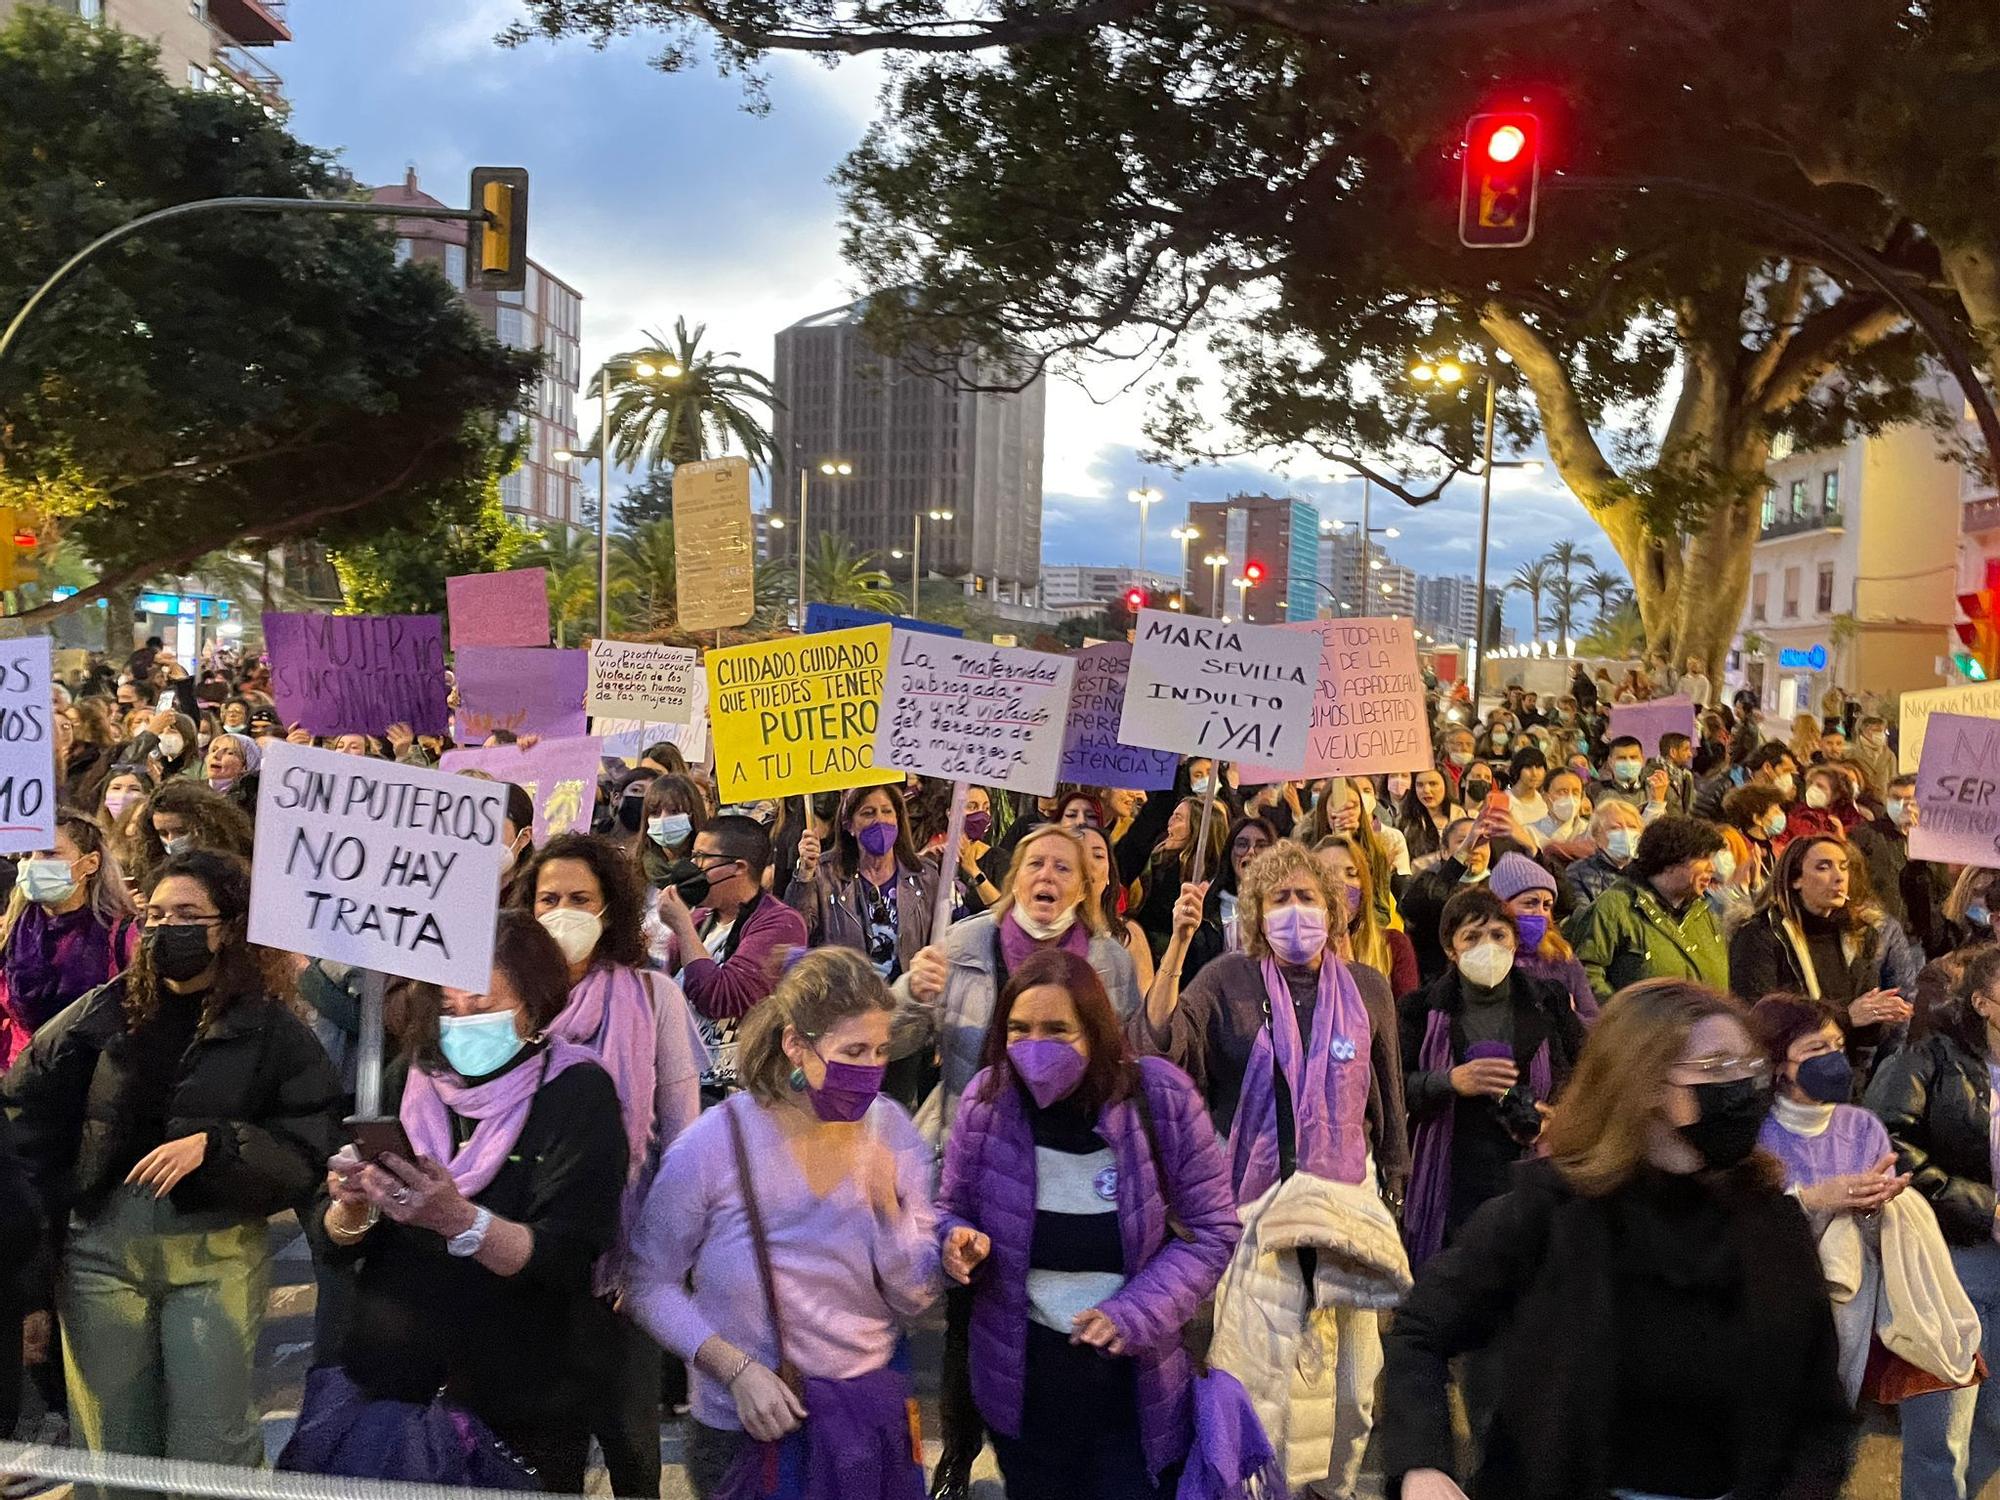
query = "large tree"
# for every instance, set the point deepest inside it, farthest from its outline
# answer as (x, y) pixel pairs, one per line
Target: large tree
(695, 404)
(225, 381)
(1279, 179)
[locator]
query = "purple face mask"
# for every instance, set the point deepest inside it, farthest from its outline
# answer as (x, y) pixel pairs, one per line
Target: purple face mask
(1354, 900)
(877, 839)
(1533, 927)
(847, 1092)
(1050, 1069)
(978, 825)
(1296, 934)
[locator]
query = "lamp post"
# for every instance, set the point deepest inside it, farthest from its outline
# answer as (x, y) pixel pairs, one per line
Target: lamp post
(917, 552)
(1242, 587)
(1216, 562)
(1369, 563)
(833, 468)
(1183, 535)
(1449, 372)
(1145, 497)
(644, 369)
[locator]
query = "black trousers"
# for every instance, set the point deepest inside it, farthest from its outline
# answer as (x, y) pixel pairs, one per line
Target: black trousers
(625, 1415)
(963, 1430)
(1079, 1428)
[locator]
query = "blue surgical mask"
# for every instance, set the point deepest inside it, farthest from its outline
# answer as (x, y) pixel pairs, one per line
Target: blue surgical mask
(1199, 784)
(1621, 843)
(669, 829)
(480, 1044)
(1625, 772)
(1977, 914)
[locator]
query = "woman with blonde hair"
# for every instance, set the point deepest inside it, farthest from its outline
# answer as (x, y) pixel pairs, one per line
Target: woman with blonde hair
(1652, 1297)
(1185, 846)
(1804, 741)
(1342, 809)
(68, 927)
(1387, 950)
(786, 1288)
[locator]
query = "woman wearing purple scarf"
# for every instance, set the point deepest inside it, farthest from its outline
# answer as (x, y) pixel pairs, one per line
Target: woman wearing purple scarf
(68, 929)
(590, 897)
(471, 1310)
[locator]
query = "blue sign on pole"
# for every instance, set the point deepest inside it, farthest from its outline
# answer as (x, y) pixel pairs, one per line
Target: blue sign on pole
(1813, 660)
(821, 618)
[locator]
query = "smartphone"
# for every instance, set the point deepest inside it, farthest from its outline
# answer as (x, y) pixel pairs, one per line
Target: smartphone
(376, 1136)
(168, 704)
(1498, 804)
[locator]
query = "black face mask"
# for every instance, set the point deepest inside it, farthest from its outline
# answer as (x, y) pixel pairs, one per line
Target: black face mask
(178, 953)
(1477, 791)
(1732, 1113)
(689, 880)
(630, 810)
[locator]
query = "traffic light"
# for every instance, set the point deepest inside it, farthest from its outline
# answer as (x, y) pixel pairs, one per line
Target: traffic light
(17, 550)
(1254, 572)
(1978, 658)
(1502, 169)
(499, 242)
(1135, 600)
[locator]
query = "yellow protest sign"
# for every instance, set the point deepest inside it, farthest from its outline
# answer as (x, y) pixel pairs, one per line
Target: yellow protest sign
(798, 714)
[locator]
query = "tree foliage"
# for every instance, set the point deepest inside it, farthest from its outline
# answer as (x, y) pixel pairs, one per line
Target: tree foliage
(404, 571)
(695, 405)
(229, 380)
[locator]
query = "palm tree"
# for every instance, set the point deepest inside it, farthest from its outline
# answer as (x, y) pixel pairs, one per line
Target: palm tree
(1619, 633)
(1565, 557)
(1532, 579)
(698, 411)
(837, 574)
(642, 568)
(1603, 589)
(1565, 597)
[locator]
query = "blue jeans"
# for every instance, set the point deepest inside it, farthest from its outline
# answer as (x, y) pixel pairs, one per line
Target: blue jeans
(1951, 1439)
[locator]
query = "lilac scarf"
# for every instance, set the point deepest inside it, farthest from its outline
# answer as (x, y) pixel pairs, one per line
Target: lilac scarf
(1429, 1201)
(610, 1015)
(499, 1106)
(1231, 1458)
(1328, 1081)
(1017, 947)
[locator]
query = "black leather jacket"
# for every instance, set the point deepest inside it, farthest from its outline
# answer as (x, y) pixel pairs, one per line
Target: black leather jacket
(1933, 1097)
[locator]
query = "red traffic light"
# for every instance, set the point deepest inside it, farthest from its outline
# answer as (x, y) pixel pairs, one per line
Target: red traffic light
(24, 539)
(1254, 572)
(1135, 600)
(1503, 169)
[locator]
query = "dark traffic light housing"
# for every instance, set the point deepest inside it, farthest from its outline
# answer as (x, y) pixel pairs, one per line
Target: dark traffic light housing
(499, 241)
(1502, 172)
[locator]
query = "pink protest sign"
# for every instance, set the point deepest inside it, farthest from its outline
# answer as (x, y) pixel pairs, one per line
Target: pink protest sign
(1646, 722)
(499, 609)
(1958, 793)
(520, 689)
(560, 776)
(1368, 704)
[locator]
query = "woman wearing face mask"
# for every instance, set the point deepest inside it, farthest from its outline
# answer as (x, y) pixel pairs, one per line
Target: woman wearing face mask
(1836, 1156)
(235, 716)
(166, 745)
(1344, 808)
(1386, 950)
(1248, 838)
(946, 1001)
(1757, 812)
(636, 1023)
(1529, 891)
(1288, 1020)
(672, 812)
(1650, 1298)
(1486, 1047)
(121, 808)
(786, 1286)
(1097, 878)
(230, 769)
(1068, 1165)
(69, 926)
(183, 816)
(974, 889)
(875, 895)
(165, 1116)
(1807, 938)
(475, 1257)
(1733, 893)
(1427, 810)
(1173, 862)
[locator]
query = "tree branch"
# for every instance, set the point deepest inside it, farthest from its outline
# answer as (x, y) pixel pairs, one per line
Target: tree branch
(1854, 322)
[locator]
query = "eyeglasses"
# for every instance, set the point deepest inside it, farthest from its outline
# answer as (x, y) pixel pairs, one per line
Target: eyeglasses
(1724, 1067)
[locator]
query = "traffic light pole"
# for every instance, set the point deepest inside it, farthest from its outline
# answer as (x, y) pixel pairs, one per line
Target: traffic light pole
(1849, 254)
(124, 232)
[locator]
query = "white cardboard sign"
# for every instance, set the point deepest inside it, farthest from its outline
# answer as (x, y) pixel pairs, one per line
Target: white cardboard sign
(27, 747)
(642, 680)
(1233, 692)
(381, 866)
(967, 711)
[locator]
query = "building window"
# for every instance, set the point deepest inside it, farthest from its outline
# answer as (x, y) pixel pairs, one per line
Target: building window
(1760, 596)
(1798, 499)
(1829, 494)
(1770, 514)
(198, 78)
(93, 11)
(1791, 593)
(1823, 594)
(404, 250)
(454, 265)
(507, 328)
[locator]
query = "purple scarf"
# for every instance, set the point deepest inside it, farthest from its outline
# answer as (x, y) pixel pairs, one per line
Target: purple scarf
(610, 1015)
(1429, 1201)
(1328, 1081)
(1016, 947)
(499, 1106)
(1231, 1458)
(51, 960)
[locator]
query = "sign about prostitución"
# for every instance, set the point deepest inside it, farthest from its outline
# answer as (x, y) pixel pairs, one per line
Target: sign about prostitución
(966, 711)
(382, 866)
(642, 680)
(1092, 753)
(1237, 692)
(797, 714)
(1958, 793)
(27, 747)
(357, 674)
(1368, 705)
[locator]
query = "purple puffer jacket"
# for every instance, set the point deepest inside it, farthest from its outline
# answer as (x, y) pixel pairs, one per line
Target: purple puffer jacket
(989, 1185)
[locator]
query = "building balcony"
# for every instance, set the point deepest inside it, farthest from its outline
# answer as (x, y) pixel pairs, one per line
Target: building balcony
(251, 23)
(243, 71)
(1812, 520)
(1981, 515)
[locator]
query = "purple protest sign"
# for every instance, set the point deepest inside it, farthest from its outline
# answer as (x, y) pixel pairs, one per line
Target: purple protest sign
(1646, 722)
(1958, 793)
(499, 609)
(342, 674)
(1091, 752)
(560, 776)
(520, 689)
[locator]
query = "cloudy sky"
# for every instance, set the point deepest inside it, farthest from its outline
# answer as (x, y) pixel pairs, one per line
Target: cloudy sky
(660, 196)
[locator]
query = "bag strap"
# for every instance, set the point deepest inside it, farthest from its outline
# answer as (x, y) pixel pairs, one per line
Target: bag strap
(760, 1244)
(1144, 1105)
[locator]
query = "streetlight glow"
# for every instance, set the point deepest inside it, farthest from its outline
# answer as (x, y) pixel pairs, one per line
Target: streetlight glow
(1450, 372)
(1423, 374)
(836, 466)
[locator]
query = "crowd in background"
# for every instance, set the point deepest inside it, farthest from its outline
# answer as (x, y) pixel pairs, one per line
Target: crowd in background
(1225, 1128)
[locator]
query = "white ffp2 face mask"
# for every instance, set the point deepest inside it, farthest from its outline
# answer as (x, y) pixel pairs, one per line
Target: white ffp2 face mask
(1486, 964)
(576, 932)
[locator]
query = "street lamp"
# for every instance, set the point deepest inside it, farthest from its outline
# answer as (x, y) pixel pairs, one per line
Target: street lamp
(1183, 535)
(832, 468)
(1368, 562)
(1242, 587)
(1216, 562)
(917, 552)
(643, 369)
(1146, 497)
